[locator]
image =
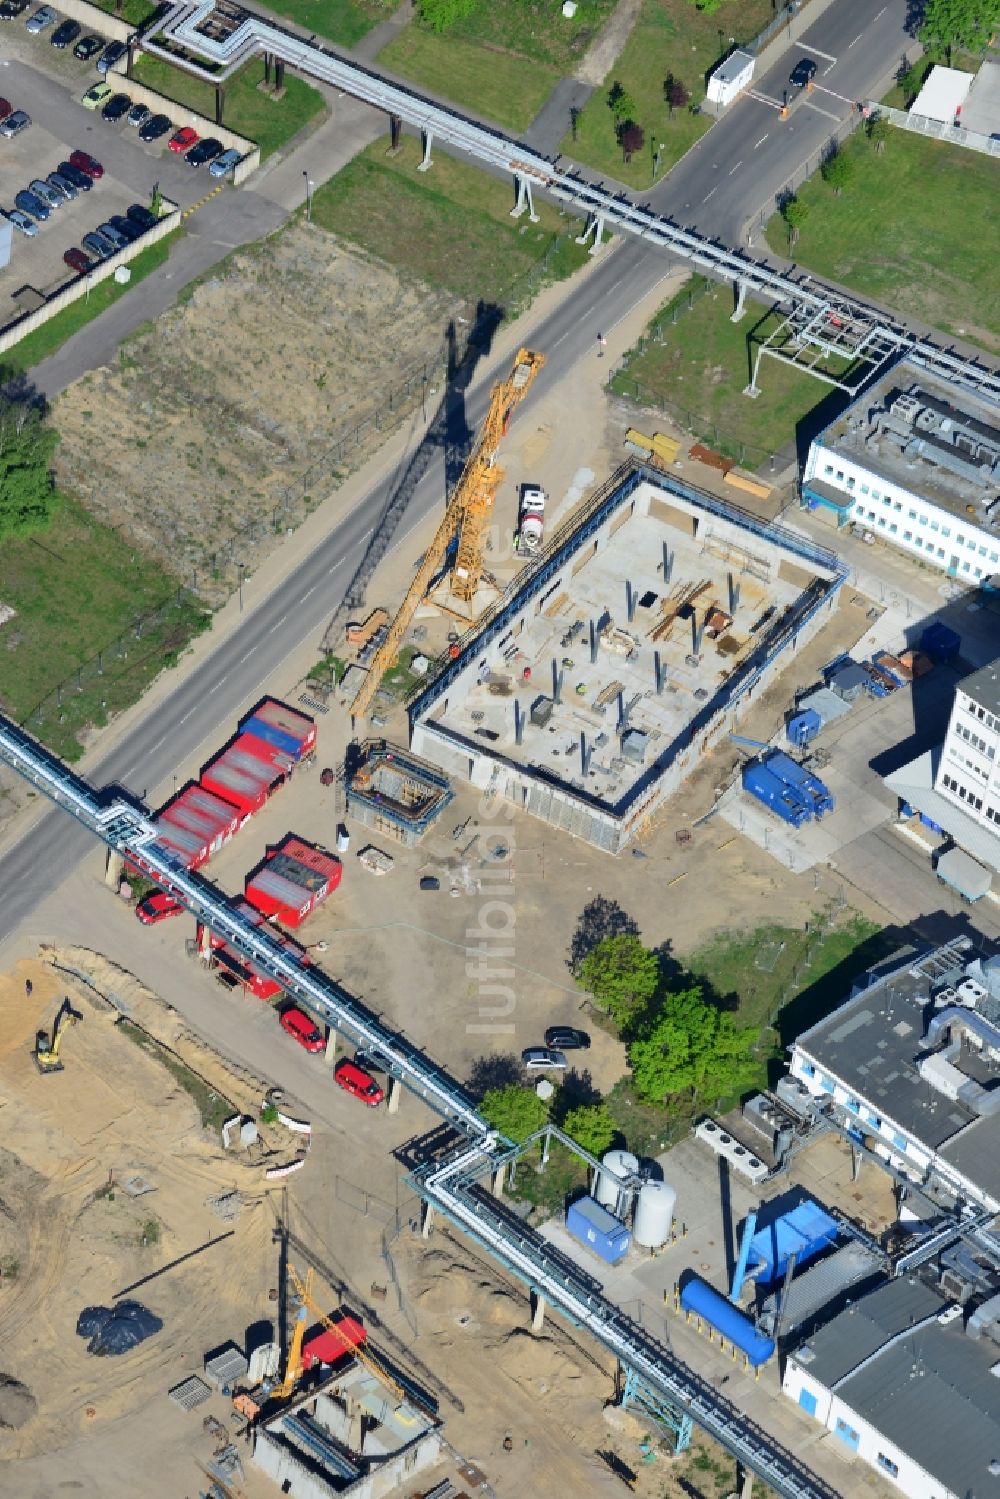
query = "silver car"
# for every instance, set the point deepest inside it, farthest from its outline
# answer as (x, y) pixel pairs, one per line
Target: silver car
(21, 221)
(46, 192)
(543, 1059)
(15, 123)
(225, 163)
(43, 18)
(61, 184)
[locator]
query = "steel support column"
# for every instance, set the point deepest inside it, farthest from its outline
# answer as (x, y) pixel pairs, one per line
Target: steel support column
(677, 1423)
(525, 203)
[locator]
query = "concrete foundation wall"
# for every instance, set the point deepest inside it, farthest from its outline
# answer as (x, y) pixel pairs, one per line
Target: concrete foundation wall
(283, 1464)
(181, 114)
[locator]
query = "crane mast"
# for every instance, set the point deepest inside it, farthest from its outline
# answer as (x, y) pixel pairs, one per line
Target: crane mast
(467, 517)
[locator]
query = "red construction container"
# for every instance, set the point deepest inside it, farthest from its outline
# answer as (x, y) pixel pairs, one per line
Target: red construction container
(195, 824)
(257, 983)
(293, 880)
(330, 1346)
(243, 778)
(282, 725)
(268, 753)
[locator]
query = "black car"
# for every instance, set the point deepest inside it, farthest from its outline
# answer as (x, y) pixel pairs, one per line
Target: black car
(64, 34)
(126, 227)
(567, 1038)
(206, 150)
(87, 47)
(154, 128)
(113, 52)
(141, 215)
(803, 73)
(79, 179)
(117, 107)
(430, 882)
(11, 9)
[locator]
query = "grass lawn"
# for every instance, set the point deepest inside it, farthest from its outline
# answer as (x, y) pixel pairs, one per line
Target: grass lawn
(214, 1109)
(77, 589)
(341, 21)
(696, 368)
(497, 86)
(270, 122)
(450, 226)
(911, 229)
(36, 346)
(136, 12)
(670, 37)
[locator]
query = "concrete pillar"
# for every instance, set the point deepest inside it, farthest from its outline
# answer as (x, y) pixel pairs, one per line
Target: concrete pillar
(659, 673)
(428, 140)
(395, 134)
(525, 202)
(113, 869)
(220, 103)
(537, 1311)
(586, 753)
(267, 69)
(631, 600)
(856, 1159)
(206, 943)
(499, 1178)
(395, 1094)
(557, 682)
(593, 643)
(697, 631)
(734, 594)
(330, 1055)
(518, 723)
(355, 1431)
(595, 228)
(668, 563)
(279, 74)
(741, 301)
(425, 1227)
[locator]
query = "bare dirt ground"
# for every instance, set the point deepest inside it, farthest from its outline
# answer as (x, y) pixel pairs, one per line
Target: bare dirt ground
(601, 57)
(213, 416)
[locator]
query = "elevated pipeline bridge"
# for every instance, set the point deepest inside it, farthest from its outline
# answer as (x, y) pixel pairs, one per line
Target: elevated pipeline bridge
(654, 1377)
(822, 318)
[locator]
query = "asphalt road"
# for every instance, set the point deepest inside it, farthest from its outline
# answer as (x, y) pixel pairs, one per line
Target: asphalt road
(748, 156)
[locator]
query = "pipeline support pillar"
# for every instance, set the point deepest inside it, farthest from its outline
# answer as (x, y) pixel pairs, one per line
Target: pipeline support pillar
(113, 869)
(537, 1311)
(395, 1094)
(525, 203)
(428, 140)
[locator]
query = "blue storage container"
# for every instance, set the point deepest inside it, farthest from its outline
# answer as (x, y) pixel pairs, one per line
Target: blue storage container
(815, 792)
(267, 731)
(704, 1301)
(804, 726)
(787, 801)
(941, 641)
(594, 1226)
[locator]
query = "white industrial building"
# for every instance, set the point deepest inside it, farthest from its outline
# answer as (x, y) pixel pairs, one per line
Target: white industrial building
(916, 462)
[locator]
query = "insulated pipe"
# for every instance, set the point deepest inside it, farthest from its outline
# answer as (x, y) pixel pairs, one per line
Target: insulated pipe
(739, 1273)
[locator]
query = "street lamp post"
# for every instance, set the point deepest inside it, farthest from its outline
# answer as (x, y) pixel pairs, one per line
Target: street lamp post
(309, 197)
(656, 161)
(242, 570)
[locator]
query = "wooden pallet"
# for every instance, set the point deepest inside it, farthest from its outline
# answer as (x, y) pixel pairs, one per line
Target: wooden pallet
(608, 694)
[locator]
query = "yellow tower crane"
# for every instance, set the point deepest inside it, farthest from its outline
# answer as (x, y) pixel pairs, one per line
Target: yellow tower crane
(304, 1294)
(467, 518)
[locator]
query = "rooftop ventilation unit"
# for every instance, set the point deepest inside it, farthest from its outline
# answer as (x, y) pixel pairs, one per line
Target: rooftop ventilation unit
(906, 408)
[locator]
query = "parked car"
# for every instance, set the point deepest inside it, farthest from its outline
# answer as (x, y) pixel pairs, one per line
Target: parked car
(6, 109)
(11, 9)
(225, 163)
(114, 235)
(15, 123)
(44, 16)
(306, 1032)
(206, 150)
(79, 179)
(126, 227)
(430, 882)
(98, 245)
(46, 192)
(184, 139)
(803, 73)
(358, 1082)
(60, 184)
(113, 52)
(154, 127)
(567, 1038)
(138, 115)
(159, 905)
(141, 215)
(543, 1059)
(84, 162)
(21, 221)
(87, 47)
(28, 203)
(117, 107)
(64, 34)
(97, 94)
(77, 261)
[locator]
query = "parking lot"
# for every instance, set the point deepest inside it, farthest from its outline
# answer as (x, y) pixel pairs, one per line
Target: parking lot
(49, 85)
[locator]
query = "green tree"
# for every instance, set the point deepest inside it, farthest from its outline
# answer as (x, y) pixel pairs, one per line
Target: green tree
(878, 132)
(692, 1048)
(515, 1111)
(591, 1126)
(965, 25)
(794, 212)
(441, 15)
(27, 496)
(912, 82)
(621, 104)
(837, 171)
(623, 977)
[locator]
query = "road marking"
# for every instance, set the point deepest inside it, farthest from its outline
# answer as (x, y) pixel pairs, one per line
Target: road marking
(856, 39)
(306, 595)
(277, 624)
(882, 12)
(762, 139)
(806, 48)
(186, 716)
(824, 112)
(708, 195)
(834, 95)
(764, 99)
(736, 167)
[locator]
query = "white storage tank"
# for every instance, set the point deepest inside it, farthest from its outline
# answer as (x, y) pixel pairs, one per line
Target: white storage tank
(654, 1214)
(609, 1189)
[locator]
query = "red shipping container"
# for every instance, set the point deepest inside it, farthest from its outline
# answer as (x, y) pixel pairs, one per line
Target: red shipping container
(287, 722)
(268, 753)
(195, 824)
(294, 879)
(243, 778)
(329, 1346)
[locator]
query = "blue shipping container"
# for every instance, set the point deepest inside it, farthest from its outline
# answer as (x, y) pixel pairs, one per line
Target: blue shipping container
(594, 1226)
(816, 793)
(705, 1302)
(786, 800)
(803, 726)
(266, 731)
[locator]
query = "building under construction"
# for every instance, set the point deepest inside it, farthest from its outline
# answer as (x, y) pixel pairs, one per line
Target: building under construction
(396, 794)
(589, 691)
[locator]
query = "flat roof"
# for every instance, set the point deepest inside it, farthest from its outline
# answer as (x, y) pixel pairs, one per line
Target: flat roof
(956, 427)
(914, 783)
(942, 95)
(925, 1386)
(983, 686)
(981, 110)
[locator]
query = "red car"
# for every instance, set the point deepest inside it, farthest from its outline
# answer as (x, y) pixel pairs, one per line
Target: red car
(184, 139)
(157, 907)
(5, 109)
(305, 1031)
(358, 1082)
(77, 261)
(86, 163)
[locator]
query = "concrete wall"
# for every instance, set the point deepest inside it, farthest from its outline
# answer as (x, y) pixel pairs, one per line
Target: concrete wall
(282, 1463)
(20, 327)
(139, 93)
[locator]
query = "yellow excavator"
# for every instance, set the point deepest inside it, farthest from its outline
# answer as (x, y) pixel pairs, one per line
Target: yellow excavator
(47, 1047)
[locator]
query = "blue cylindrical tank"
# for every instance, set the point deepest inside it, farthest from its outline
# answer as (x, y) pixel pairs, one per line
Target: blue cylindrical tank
(709, 1304)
